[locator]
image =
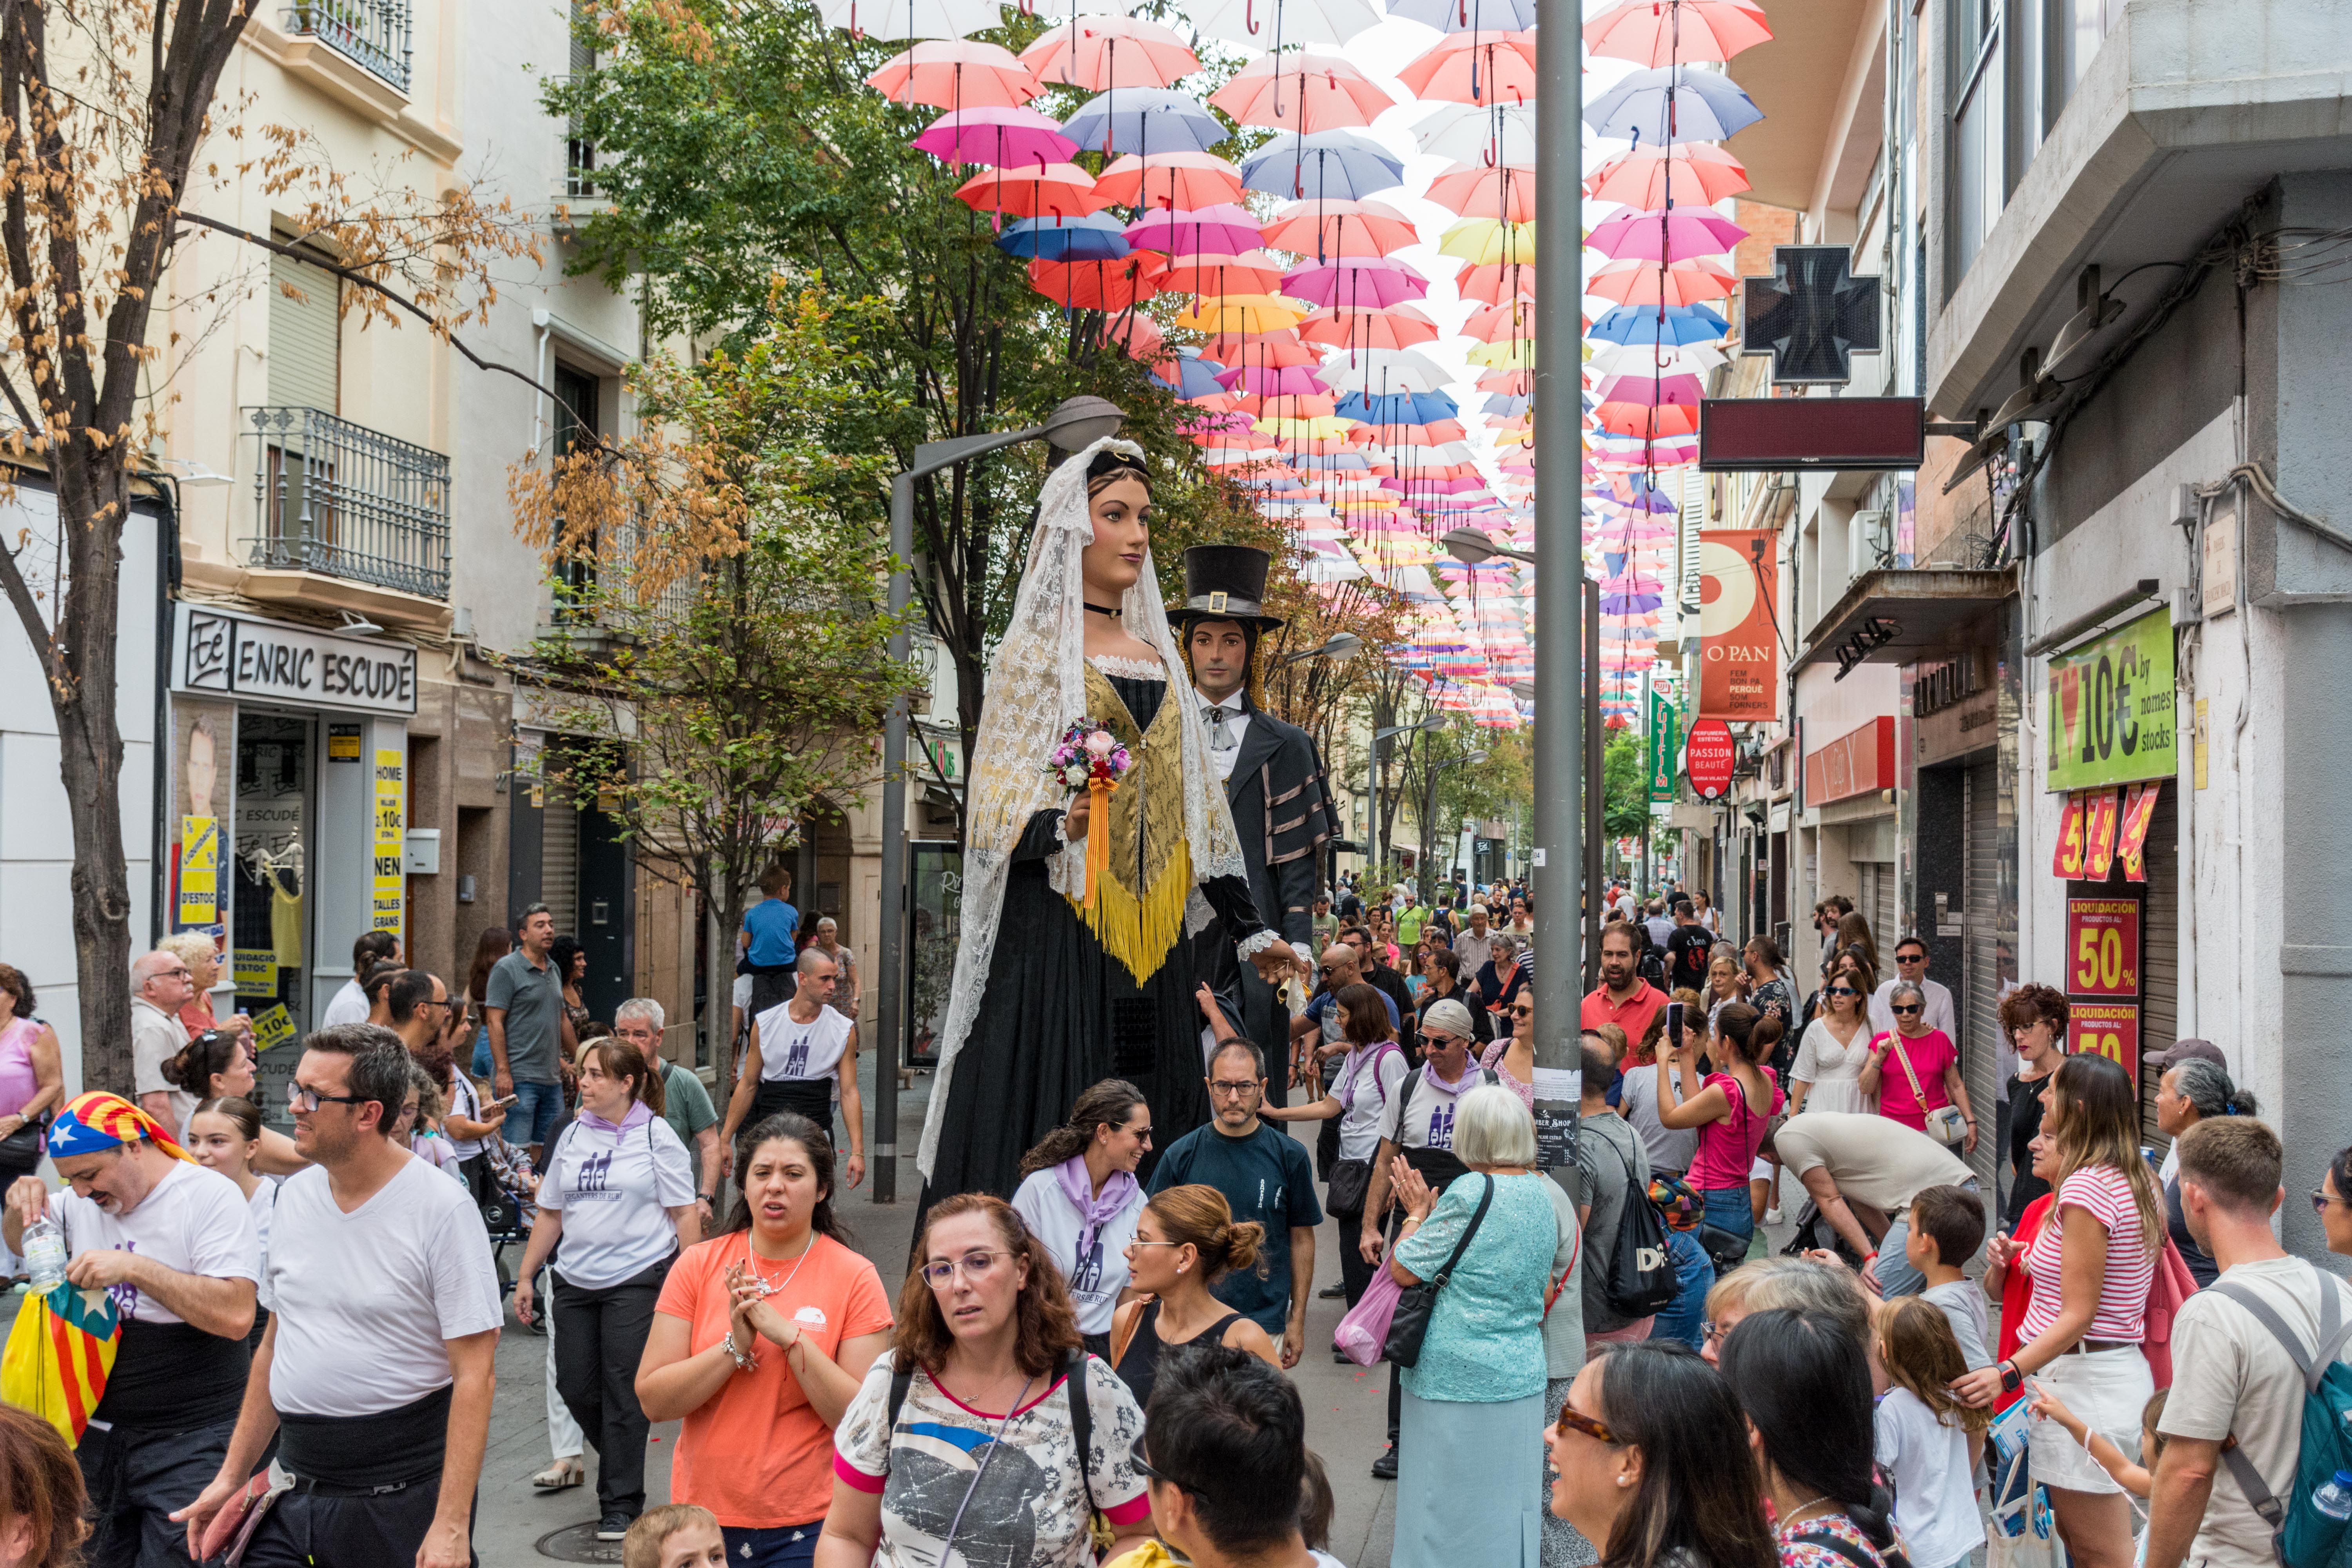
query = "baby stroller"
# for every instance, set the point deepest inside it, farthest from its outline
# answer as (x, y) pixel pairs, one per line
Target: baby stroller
(507, 1199)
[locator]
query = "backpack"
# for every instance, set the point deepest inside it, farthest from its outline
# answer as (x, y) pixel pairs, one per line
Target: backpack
(1641, 1278)
(2301, 1536)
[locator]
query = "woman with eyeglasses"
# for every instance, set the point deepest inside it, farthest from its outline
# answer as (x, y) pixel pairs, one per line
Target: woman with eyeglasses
(1653, 1464)
(1827, 1074)
(1501, 980)
(1916, 1070)
(2034, 1019)
(963, 1440)
(2333, 1202)
(1803, 1382)
(761, 1337)
(1186, 1241)
(1079, 1194)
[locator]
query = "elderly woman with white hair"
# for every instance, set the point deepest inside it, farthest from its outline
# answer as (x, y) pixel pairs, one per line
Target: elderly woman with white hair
(1469, 1450)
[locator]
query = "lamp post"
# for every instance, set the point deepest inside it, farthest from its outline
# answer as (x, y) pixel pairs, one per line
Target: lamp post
(1078, 423)
(1343, 645)
(1471, 545)
(1429, 817)
(1380, 739)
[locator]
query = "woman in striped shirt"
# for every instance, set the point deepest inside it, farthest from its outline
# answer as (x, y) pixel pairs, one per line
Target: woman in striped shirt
(2090, 1263)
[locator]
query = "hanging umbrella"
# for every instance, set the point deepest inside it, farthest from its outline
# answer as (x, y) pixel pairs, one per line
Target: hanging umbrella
(1687, 231)
(1683, 32)
(1274, 381)
(1144, 120)
(1492, 285)
(1475, 133)
(1682, 389)
(1397, 327)
(913, 19)
(1240, 313)
(1341, 229)
(1475, 67)
(1484, 241)
(1468, 16)
(1503, 352)
(1106, 285)
(1506, 192)
(1036, 190)
(1209, 274)
(1185, 180)
(1280, 346)
(1646, 420)
(1355, 279)
(1093, 237)
(1222, 230)
(1700, 174)
(1401, 370)
(1341, 164)
(1301, 90)
(1099, 53)
(955, 73)
(995, 136)
(1706, 106)
(1270, 23)
(1512, 318)
(1693, 359)
(1634, 324)
(1647, 283)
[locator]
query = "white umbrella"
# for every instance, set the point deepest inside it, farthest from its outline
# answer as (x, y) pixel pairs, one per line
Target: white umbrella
(914, 18)
(1639, 359)
(1269, 24)
(1385, 370)
(1469, 134)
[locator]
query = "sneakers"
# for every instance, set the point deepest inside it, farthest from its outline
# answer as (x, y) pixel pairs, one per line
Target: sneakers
(1332, 1293)
(1384, 1469)
(614, 1526)
(1771, 1217)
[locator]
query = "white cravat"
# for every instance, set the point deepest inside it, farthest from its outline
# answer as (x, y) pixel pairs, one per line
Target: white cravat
(1228, 722)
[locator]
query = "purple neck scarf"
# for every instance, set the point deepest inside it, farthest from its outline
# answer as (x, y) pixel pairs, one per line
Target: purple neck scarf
(1093, 1212)
(637, 1115)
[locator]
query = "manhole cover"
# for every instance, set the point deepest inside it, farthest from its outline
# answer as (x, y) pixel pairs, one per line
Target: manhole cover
(578, 1544)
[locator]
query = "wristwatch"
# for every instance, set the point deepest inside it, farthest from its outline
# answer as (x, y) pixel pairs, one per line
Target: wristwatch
(2012, 1380)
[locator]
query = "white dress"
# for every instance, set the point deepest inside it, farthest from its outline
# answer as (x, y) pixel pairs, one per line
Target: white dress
(1834, 1070)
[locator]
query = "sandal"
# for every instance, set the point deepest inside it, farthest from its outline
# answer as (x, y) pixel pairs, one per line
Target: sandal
(561, 1474)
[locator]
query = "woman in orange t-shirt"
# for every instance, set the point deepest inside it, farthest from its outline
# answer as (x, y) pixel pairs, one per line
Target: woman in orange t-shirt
(759, 1341)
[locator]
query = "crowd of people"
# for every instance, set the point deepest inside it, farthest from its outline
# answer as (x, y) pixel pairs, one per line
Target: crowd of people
(1599, 1363)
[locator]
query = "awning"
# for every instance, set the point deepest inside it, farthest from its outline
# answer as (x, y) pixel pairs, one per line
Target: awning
(1899, 615)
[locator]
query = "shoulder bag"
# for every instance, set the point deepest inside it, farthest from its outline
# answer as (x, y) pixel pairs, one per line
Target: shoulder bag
(1409, 1323)
(1946, 1125)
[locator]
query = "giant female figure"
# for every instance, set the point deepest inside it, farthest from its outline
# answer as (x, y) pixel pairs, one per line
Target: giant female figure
(1053, 993)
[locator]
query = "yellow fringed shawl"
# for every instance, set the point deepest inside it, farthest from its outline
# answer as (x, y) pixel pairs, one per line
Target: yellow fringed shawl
(1138, 913)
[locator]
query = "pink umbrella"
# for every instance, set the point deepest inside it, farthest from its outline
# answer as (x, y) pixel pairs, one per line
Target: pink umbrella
(1687, 231)
(1274, 381)
(1700, 172)
(1358, 281)
(1255, 273)
(1475, 68)
(1647, 283)
(1306, 91)
(1397, 327)
(1506, 191)
(1682, 389)
(1341, 229)
(956, 73)
(1038, 190)
(1653, 34)
(1507, 318)
(1000, 135)
(1099, 53)
(1187, 181)
(1224, 229)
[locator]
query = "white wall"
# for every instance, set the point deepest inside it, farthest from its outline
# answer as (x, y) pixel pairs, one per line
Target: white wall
(35, 829)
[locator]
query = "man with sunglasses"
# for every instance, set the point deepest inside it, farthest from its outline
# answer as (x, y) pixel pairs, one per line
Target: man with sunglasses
(1911, 969)
(377, 1365)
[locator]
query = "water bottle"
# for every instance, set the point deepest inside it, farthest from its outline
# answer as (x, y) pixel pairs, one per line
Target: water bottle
(2334, 1499)
(45, 1254)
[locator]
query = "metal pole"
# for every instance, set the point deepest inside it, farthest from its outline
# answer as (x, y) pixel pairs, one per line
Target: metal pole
(1594, 789)
(891, 974)
(1560, 551)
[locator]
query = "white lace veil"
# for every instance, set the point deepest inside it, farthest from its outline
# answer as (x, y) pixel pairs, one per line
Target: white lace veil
(1038, 689)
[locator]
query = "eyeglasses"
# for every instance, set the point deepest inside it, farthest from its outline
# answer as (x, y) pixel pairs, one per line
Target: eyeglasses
(1901, 1008)
(1232, 1090)
(1842, 991)
(302, 1097)
(1574, 1420)
(976, 1267)
(1712, 1332)
(2320, 1200)
(1143, 1468)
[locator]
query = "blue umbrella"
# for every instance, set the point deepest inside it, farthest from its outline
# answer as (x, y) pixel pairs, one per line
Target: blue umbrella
(1708, 107)
(1193, 376)
(1341, 165)
(1503, 405)
(1093, 237)
(1398, 408)
(1144, 120)
(1468, 16)
(1643, 325)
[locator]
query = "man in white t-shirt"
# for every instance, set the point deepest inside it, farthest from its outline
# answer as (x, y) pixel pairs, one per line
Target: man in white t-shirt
(1911, 969)
(173, 1244)
(377, 1365)
(349, 1005)
(2231, 1377)
(802, 1056)
(161, 984)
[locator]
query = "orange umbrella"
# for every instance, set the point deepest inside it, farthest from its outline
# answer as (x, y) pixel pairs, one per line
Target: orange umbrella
(1040, 190)
(1506, 192)
(1643, 283)
(1699, 173)
(1341, 229)
(1183, 182)
(1255, 273)
(1511, 319)
(1303, 90)
(1662, 34)
(1475, 68)
(1650, 422)
(1099, 53)
(1275, 350)
(1491, 283)
(1398, 327)
(1099, 285)
(956, 73)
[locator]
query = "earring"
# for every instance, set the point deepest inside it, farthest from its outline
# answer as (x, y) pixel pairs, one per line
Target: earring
(1622, 1481)
(1179, 1268)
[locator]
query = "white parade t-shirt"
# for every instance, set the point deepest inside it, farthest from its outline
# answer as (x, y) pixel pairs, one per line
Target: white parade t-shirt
(615, 1190)
(1428, 1121)
(1364, 1093)
(1096, 1279)
(365, 1300)
(793, 1051)
(194, 1221)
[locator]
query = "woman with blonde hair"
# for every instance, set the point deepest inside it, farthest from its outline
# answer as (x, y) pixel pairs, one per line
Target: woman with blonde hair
(1185, 1242)
(2089, 1262)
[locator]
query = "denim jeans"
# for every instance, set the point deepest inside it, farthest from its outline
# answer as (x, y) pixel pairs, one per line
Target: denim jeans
(535, 1108)
(1694, 1277)
(1728, 1208)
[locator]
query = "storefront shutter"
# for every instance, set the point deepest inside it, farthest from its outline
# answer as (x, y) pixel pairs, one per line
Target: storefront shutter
(1980, 957)
(559, 875)
(2160, 967)
(305, 337)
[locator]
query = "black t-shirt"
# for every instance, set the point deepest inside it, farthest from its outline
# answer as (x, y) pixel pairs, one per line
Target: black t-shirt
(1688, 952)
(2025, 1107)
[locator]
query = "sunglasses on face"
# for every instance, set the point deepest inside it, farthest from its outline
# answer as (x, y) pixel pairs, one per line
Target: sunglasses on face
(1574, 1420)
(1910, 958)
(2320, 1200)
(1914, 1007)
(1843, 991)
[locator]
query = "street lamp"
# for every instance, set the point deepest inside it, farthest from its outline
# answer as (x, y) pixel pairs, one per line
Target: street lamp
(1380, 739)
(1343, 645)
(1471, 545)
(1076, 424)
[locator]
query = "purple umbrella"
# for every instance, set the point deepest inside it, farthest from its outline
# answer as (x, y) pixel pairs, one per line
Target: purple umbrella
(999, 137)
(1690, 231)
(1224, 229)
(1274, 381)
(1361, 280)
(1653, 390)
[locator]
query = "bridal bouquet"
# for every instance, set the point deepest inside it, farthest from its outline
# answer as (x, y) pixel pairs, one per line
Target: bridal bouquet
(1088, 756)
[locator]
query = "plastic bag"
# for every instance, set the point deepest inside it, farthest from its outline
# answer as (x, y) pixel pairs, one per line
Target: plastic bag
(1365, 1329)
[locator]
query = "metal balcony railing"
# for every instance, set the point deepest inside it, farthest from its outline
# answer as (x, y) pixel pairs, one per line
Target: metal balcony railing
(375, 34)
(339, 499)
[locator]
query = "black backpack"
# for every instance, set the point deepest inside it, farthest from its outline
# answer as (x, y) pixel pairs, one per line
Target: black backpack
(1641, 1278)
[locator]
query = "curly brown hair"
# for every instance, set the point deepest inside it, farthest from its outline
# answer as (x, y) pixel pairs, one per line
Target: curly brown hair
(2031, 1005)
(1049, 1326)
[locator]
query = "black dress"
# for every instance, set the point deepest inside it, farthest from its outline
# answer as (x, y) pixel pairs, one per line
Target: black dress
(2025, 1107)
(1060, 1014)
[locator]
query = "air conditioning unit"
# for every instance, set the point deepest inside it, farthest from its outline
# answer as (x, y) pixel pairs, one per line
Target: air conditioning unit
(1870, 543)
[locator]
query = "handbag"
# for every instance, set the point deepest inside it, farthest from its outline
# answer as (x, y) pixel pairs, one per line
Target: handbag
(22, 1147)
(1350, 1184)
(1946, 1125)
(1409, 1324)
(1364, 1332)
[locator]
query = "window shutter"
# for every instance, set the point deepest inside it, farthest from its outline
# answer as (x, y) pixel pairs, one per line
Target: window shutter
(305, 336)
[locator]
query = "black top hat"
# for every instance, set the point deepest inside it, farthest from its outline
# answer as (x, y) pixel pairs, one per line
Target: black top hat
(1224, 583)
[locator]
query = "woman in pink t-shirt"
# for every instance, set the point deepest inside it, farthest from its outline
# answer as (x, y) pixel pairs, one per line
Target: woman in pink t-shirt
(1730, 1109)
(2090, 1264)
(1933, 1080)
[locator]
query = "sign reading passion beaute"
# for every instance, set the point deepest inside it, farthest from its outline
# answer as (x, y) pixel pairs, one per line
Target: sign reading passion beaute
(233, 654)
(2111, 707)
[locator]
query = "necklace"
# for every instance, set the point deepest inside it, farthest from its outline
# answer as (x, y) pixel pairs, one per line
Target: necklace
(1100, 610)
(766, 1288)
(1790, 1517)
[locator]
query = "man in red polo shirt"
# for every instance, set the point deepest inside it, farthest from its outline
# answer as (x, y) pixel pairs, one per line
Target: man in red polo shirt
(1623, 997)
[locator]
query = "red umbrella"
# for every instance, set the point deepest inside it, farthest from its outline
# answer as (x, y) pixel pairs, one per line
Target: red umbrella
(1396, 327)
(955, 73)
(1278, 348)
(1475, 68)
(1118, 285)
(1099, 53)
(1509, 318)
(1494, 282)
(1206, 273)
(1047, 190)
(1304, 91)
(1676, 32)
(1643, 420)
(1700, 174)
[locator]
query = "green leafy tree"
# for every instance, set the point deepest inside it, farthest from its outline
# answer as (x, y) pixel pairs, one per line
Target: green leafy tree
(1625, 786)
